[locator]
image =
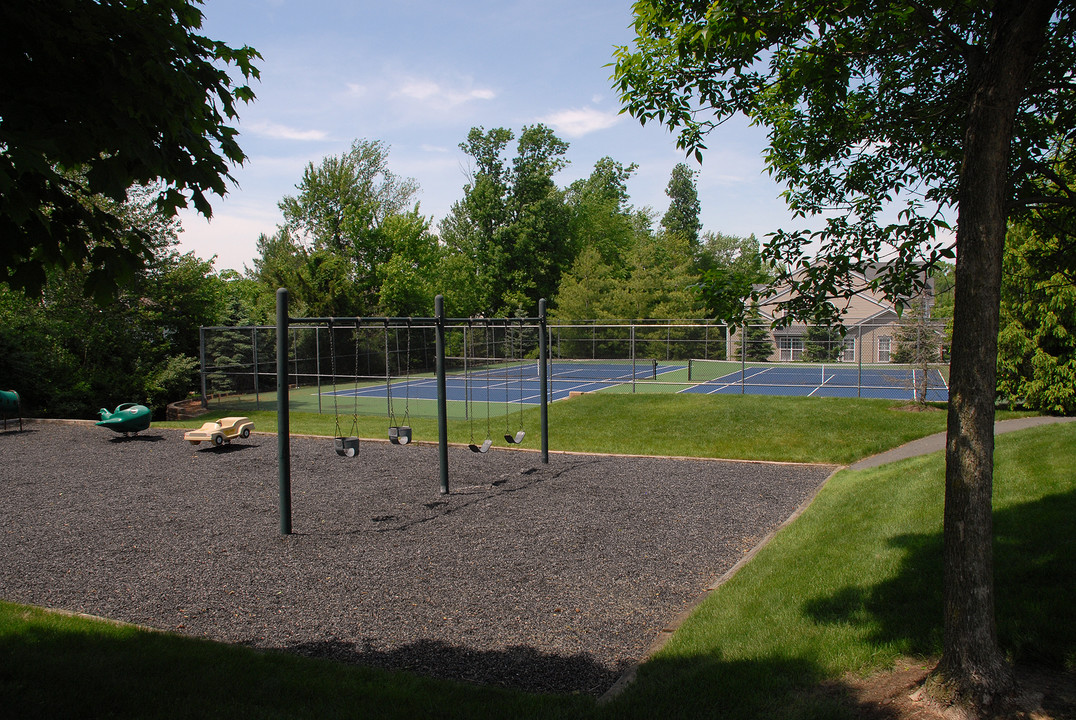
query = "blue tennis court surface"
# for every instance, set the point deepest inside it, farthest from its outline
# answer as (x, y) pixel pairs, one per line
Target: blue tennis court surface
(896, 383)
(518, 383)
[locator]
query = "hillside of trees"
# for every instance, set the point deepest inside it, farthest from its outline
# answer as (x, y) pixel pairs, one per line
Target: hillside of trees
(354, 242)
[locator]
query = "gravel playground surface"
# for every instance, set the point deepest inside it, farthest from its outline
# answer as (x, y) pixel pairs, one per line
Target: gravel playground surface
(546, 578)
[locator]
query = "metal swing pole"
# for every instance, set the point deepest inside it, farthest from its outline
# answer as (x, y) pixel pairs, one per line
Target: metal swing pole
(442, 404)
(282, 419)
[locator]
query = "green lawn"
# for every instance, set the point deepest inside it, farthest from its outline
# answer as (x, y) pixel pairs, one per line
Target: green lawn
(744, 427)
(855, 583)
(850, 586)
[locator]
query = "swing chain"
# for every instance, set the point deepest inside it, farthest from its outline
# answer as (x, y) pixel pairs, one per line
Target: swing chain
(332, 363)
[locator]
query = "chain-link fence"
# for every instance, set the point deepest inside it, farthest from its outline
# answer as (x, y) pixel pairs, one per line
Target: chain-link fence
(896, 360)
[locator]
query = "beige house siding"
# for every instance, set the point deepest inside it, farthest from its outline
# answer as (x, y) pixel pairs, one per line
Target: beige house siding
(870, 320)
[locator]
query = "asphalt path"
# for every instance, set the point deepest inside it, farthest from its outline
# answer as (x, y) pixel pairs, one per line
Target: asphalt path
(936, 442)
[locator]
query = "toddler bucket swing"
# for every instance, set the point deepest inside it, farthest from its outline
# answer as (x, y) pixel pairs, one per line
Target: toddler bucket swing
(399, 434)
(345, 446)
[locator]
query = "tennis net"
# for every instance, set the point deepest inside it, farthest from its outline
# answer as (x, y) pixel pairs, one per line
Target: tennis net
(559, 369)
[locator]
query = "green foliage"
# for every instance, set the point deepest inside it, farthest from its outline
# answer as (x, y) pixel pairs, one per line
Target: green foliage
(511, 230)
(68, 356)
(731, 268)
(682, 217)
(822, 344)
(349, 244)
(755, 343)
(586, 289)
(867, 119)
(660, 274)
(1037, 343)
(600, 216)
(122, 94)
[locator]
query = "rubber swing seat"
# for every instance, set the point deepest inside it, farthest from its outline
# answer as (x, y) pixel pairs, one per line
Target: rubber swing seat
(515, 439)
(400, 435)
(484, 448)
(347, 446)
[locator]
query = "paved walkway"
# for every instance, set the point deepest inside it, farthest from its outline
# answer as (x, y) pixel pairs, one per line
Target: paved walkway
(933, 443)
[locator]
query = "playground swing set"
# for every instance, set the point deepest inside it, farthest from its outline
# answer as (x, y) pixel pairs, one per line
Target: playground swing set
(488, 442)
(399, 434)
(518, 436)
(345, 445)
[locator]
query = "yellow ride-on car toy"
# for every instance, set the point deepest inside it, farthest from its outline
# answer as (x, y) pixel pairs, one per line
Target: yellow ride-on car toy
(222, 431)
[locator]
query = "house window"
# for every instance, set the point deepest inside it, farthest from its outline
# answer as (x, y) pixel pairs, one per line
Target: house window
(848, 354)
(791, 347)
(885, 347)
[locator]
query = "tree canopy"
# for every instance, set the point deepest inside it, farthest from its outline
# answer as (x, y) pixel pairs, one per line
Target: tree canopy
(118, 93)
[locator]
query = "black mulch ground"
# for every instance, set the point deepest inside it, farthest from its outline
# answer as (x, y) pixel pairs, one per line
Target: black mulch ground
(549, 578)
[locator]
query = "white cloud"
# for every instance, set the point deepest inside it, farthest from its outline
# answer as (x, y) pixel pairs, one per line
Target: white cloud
(437, 95)
(232, 235)
(579, 122)
(283, 132)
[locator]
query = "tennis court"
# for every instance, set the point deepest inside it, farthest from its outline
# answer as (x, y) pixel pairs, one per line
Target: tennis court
(876, 381)
(501, 385)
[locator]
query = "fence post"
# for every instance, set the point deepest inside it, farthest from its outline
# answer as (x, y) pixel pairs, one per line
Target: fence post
(254, 353)
(201, 350)
(859, 353)
(743, 359)
(543, 379)
(317, 361)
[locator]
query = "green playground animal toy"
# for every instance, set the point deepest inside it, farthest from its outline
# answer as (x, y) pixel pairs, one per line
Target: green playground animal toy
(9, 402)
(127, 418)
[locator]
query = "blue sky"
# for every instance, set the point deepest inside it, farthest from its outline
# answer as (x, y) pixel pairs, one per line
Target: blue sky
(419, 75)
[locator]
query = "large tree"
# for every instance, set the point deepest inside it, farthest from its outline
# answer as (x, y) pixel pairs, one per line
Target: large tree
(97, 97)
(509, 234)
(883, 118)
(682, 217)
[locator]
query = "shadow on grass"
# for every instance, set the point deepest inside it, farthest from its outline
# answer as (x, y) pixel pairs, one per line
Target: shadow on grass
(127, 673)
(1035, 581)
(772, 688)
(517, 668)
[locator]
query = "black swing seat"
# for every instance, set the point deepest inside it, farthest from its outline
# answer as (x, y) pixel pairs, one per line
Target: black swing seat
(515, 439)
(400, 435)
(347, 446)
(484, 447)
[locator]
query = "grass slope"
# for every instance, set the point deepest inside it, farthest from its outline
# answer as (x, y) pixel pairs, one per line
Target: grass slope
(855, 583)
(744, 427)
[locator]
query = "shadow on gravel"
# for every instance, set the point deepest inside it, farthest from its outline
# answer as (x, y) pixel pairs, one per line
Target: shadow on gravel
(16, 431)
(225, 449)
(119, 439)
(517, 667)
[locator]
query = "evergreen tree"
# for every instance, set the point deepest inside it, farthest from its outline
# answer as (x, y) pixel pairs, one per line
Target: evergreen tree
(682, 217)
(755, 343)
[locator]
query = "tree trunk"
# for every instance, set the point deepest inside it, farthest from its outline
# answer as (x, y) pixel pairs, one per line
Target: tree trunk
(972, 664)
